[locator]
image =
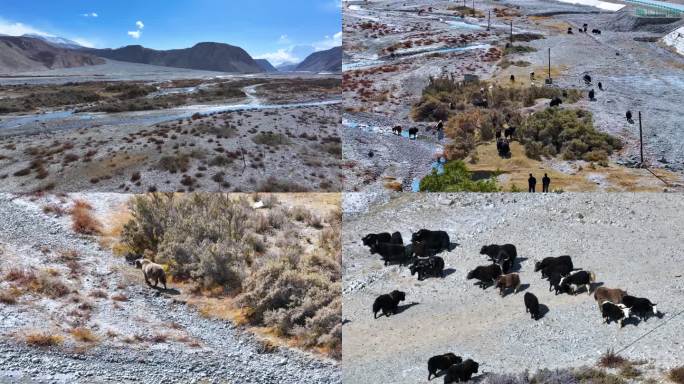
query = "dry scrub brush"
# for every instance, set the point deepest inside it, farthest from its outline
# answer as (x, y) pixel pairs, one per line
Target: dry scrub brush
(262, 255)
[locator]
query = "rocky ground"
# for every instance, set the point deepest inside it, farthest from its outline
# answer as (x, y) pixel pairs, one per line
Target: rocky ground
(140, 334)
(262, 143)
(629, 241)
(378, 86)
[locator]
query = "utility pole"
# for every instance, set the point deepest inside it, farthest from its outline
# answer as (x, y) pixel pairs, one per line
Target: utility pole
(641, 141)
(549, 80)
(511, 32)
(489, 19)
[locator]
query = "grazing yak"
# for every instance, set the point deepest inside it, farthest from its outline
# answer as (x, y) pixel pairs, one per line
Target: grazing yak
(486, 274)
(614, 312)
(397, 130)
(547, 261)
(509, 132)
(432, 266)
(436, 240)
(461, 372)
(441, 363)
(396, 239)
(554, 283)
(592, 95)
(641, 307)
(587, 79)
(614, 295)
(482, 103)
(504, 255)
(556, 101)
(388, 303)
(151, 271)
(532, 305)
(596, 31)
(375, 238)
(503, 147)
(582, 278)
(556, 269)
(413, 133)
(420, 249)
(390, 252)
(504, 282)
(570, 31)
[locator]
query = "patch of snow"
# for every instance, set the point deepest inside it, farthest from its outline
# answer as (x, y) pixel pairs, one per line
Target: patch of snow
(597, 4)
(675, 39)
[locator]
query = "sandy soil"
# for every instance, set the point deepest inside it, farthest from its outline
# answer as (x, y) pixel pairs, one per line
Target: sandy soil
(630, 241)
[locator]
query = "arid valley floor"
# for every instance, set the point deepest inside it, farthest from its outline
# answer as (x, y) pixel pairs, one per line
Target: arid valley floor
(144, 128)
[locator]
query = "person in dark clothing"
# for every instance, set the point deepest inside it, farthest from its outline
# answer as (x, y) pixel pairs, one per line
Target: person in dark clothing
(440, 130)
(531, 183)
(546, 180)
(600, 85)
(629, 115)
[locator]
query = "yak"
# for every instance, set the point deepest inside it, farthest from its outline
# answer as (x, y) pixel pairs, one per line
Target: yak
(388, 303)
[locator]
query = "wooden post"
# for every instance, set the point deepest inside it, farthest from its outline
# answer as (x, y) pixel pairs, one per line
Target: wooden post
(641, 141)
(549, 62)
(489, 19)
(511, 32)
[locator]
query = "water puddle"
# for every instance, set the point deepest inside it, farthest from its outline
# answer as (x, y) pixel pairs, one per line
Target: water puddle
(462, 24)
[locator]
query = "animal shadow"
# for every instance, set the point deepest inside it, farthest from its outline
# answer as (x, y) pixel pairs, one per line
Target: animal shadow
(403, 307)
(453, 246)
(346, 321)
(168, 291)
(523, 287)
(632, 320)
(593, 286)
(543, 310)
(448, 271)
(516, 264)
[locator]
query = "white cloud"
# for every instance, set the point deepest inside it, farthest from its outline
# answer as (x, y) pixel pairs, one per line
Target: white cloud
(139, 24)
(281, 56)
(328, 42)
(284, 39)
(91, 14)
(84, 42)
(135, 34)
(18, 29)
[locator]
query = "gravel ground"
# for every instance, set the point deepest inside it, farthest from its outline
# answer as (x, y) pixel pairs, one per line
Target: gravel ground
(196, 349)
(631, 241)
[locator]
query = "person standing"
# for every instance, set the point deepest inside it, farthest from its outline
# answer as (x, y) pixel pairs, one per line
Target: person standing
(546, 181)
(531, 183)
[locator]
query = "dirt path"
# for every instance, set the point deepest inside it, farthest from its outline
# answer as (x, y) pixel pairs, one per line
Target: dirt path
(629, 241)
(148, 336)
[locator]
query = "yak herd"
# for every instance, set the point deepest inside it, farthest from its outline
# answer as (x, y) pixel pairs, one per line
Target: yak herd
(615, 305)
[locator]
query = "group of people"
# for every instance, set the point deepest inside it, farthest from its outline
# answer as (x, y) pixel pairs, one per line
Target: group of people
(532, 183)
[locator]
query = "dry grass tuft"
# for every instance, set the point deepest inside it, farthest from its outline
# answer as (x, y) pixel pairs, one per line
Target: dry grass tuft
(43, 339)
(676, 375)
(611, 360)
(9, 296)
(83, 220)
(83, 334)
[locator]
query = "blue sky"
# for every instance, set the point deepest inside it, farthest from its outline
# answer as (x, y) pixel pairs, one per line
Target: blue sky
(279, 30)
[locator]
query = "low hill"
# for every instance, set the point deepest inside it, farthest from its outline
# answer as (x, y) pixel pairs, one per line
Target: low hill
(21, 53)
(322, 61)
(265, 65)
(203, 56)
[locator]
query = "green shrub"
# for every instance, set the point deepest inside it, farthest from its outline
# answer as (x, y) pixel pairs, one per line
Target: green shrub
(569, 132)
(271, 139)
(456, 178)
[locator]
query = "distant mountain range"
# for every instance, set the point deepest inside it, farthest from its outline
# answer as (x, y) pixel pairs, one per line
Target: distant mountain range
(35, 52)
(21, 54)
(204, 56)
(322, 61)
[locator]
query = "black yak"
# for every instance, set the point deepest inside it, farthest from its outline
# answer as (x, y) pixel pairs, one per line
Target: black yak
(388, 303)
